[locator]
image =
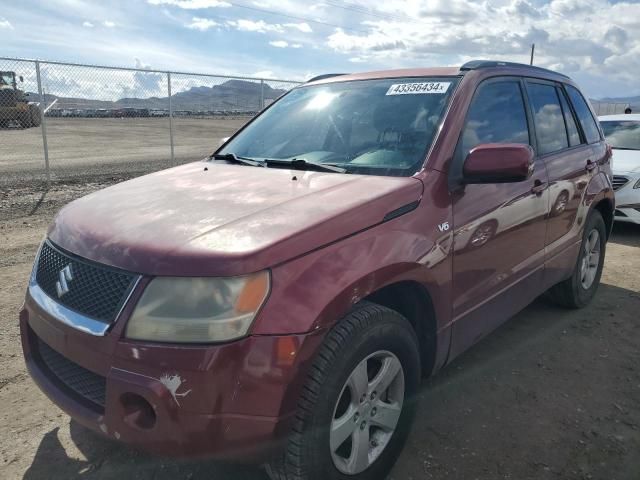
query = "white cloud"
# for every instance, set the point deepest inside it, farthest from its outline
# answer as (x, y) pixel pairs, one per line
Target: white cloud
(88, 24)
(303, 27)
(296, 45)
(4, 23)
(263, 74)
(109, 24)
(191, 4)
(279, 44)
(260, 26)
(202, 24)
(589, 39)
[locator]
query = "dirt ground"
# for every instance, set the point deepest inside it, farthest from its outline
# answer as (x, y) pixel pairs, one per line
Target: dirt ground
(553, 394)
(89, 146)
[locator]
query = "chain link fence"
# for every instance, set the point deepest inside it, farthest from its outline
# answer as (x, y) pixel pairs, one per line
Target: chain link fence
(60, 120)
(608, 108)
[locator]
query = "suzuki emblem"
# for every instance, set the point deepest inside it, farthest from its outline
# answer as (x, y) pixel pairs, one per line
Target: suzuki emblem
(64, 277)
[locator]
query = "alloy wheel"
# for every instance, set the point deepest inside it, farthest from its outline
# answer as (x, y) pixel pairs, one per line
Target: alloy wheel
(367, 412)
(590, 259)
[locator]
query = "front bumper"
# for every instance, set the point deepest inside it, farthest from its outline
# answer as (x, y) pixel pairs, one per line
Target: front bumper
(231, 401)
(628, 199)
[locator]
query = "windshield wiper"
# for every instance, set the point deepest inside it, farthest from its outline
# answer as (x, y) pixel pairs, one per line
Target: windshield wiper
(623, 148)
(303, 164)
(233, 158)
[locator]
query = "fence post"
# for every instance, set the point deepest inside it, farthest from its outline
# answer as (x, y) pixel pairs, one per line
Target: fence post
(43, 123)
(173, 158)
(261, 94)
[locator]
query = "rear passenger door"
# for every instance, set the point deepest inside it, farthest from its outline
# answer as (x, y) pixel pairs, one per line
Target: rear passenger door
(564, 145)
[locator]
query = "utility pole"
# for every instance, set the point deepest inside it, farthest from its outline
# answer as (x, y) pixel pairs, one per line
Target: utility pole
(533, 49)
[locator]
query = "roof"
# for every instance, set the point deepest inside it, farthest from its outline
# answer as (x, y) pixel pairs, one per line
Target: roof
(507, 67)
(478, 64)
(629, 117)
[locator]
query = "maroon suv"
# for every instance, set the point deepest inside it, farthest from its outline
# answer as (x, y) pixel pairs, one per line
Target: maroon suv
(280, 301)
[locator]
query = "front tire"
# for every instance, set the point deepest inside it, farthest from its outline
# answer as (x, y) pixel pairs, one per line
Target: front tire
(578, 290)
(24, 119)
(356, 408)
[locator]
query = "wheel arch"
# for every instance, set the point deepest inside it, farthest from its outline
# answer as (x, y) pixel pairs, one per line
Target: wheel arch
(606, 209)
(413, 301)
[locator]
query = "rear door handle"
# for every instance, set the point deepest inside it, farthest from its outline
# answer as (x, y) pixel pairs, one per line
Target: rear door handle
(590, 165)
(538, 187)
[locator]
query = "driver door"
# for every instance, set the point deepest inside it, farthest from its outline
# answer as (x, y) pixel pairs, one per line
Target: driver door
(499, 228)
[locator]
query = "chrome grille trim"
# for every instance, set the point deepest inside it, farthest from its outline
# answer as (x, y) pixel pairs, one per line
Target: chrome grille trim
(619, 181)
(68, 316)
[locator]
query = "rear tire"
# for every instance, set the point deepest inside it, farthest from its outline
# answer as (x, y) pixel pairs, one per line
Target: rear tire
(319, 447)
(36, 117)
(578, 290)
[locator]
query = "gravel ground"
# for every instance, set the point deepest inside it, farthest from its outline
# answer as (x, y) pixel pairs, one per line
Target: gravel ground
(553, 394)
(89, 146)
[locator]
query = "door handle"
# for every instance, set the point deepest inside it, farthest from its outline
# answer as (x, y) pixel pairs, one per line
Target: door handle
(590, 165)
(538, 187)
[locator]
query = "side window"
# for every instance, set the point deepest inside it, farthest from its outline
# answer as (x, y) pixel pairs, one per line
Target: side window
(572, 128)
(496, 115)
(585, 118)
(547, 114)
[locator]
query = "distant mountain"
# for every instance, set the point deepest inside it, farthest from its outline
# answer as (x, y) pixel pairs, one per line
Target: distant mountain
(232, 94)
(620, 102)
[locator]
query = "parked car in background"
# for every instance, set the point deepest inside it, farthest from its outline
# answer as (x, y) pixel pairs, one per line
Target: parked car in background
(623, 134)
(280, 301)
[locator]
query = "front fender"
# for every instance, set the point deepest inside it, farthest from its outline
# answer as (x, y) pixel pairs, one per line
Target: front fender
(314, 291)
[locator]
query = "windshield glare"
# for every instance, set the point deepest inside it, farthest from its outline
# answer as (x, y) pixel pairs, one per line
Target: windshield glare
(622, 134)
(375, 127)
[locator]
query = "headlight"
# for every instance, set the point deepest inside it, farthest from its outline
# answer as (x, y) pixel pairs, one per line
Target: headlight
(637, 185)
(198, 310)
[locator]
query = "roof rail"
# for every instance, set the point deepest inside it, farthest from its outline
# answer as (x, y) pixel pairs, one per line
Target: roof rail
(324, 76)
(477, 64)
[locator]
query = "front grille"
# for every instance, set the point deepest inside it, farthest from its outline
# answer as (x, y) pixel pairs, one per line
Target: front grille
(71, 376)
(94, 290)
(619, 181)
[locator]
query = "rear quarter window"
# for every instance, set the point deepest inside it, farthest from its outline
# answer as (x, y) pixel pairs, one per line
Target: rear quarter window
(588, 123)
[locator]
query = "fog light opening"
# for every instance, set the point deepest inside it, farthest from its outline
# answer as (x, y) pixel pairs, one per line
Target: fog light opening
(137, 411)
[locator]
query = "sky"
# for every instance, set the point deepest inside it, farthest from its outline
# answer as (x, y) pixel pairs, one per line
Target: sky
(596, 42)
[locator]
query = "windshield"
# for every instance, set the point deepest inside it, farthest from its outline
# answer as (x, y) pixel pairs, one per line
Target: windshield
(374, 127)
(6, 78)
(623, 134)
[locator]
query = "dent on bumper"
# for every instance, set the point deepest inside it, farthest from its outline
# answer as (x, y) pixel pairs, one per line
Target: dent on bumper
(233, 401)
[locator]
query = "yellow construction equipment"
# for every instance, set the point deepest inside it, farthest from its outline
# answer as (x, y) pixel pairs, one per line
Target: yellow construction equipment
(14, 105)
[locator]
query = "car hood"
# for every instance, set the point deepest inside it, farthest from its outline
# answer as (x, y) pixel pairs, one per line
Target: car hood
(626, 161)
(225, 219)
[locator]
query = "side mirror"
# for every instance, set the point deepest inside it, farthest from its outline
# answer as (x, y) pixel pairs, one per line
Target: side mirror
(21, 79)
(499, 163)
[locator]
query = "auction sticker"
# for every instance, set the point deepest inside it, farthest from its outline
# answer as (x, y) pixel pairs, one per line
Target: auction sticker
(418, 88)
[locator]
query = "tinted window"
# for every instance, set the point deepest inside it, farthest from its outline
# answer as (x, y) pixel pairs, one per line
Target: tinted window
(572, 128)
(584, 115)
(547, 114)
(623, 135)
(496, 115)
